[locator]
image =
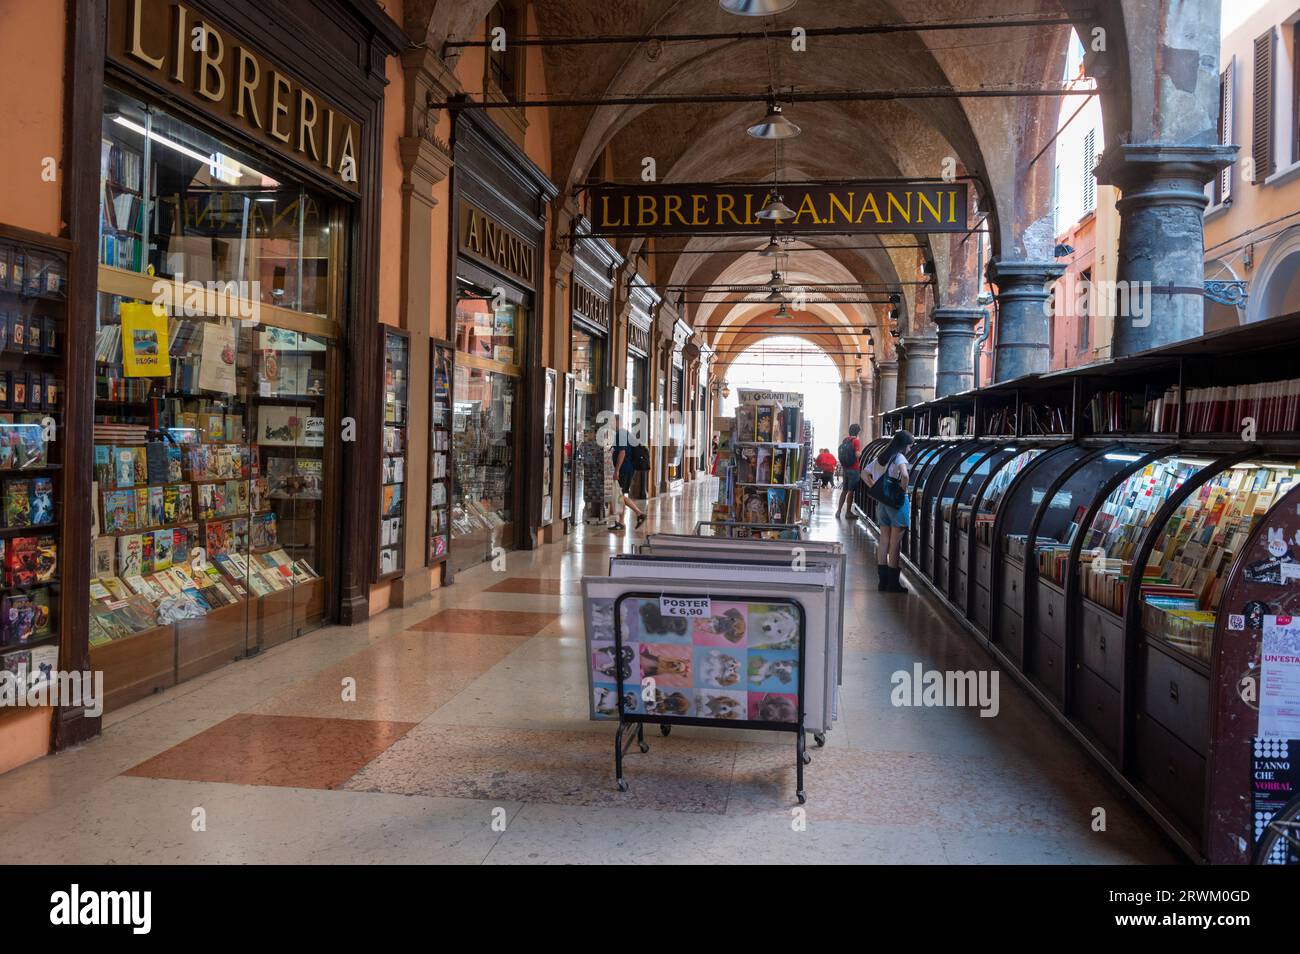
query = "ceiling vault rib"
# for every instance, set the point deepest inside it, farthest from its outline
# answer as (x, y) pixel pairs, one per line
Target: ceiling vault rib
(873, 29)
(1003, 91)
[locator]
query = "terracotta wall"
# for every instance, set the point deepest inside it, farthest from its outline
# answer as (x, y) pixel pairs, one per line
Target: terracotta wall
(31, 70)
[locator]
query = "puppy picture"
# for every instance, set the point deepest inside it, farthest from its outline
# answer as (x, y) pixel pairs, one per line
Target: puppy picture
(606, 668)
(773, 707)
(771, 670)
(718, 668)
(674, 703)
(773, 627)
(667, 663)
(655, 626)
(712, 704)
(726, 627)
(602, 621)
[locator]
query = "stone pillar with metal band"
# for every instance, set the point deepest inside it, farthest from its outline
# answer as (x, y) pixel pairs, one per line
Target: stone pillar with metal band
(855, 404)
(887, 385)
(956, 364)
(1024, 324)
(1160, 269)
(846, 410)
(918, 368)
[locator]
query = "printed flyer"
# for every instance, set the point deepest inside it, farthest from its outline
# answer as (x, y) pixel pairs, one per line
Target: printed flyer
(1279, 689)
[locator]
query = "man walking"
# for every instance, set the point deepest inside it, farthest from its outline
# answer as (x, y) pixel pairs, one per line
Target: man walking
(850, 451)
(624, 470)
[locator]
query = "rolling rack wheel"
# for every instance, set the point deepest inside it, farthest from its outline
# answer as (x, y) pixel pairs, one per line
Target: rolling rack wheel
(820, 739)
(622, 785)
(664, 730)
(807, 759)
(801, 796)
(643, 746)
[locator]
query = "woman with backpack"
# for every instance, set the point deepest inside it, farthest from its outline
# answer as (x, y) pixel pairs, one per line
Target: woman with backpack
(886, 476)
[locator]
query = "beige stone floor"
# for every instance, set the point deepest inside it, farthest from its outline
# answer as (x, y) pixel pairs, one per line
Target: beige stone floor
(469, 742)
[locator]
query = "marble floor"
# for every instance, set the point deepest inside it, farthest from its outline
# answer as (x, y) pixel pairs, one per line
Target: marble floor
(468, 741)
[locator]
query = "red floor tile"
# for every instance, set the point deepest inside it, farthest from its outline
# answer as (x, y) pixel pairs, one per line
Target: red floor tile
(500, 622)
(285, 751)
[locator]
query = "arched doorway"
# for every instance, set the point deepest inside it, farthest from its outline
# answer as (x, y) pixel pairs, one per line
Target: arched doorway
(788, 363)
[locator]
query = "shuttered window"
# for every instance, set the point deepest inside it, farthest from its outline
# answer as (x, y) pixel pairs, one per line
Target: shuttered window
(1089, 180)
(1261, 147)
(1224, 185)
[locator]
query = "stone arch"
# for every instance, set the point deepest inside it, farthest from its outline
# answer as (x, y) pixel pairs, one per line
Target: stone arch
(1275, 289)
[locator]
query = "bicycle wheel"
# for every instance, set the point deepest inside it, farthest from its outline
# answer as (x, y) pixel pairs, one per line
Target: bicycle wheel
(1279, 842)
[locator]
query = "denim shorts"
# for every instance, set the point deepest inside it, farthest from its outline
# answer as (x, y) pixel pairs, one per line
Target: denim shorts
(887, 516)
(852, 478)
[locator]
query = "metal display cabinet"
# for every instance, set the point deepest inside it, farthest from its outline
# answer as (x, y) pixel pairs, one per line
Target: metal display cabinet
(1008, 567)
(1031, 541)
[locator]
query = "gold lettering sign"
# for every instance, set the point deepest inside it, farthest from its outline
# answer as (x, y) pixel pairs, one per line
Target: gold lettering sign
(591, 305)
(486, 239)
(194, 57)
(652, 209)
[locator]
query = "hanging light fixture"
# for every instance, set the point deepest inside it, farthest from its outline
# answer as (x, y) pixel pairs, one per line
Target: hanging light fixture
(773, 247)
(774, 125)
(782, 312)
(756, 8)
(775, 209)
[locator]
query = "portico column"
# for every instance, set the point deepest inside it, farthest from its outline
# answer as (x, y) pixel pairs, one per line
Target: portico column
(1160, 269)
(888, 384)
(1024, 325)
(868, 416)
(855, 404)
(955, 366)
(919, 368)
(846, 413)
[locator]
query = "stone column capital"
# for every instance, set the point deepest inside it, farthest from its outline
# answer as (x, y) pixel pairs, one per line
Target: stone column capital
(1013, 276)
(920, 346)
(956, 320)
(1129, 164)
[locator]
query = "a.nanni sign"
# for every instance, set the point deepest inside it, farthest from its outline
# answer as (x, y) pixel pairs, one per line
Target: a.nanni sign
(193, 57)
(852, 208)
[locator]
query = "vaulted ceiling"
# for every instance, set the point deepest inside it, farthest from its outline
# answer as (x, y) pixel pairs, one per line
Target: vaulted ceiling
(994, 140)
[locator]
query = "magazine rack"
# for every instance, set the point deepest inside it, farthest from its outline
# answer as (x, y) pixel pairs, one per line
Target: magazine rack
(626, 719)
(730, 528)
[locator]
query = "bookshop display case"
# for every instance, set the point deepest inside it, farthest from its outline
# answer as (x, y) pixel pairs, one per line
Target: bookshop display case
(216, 345)
(1131, 556)
(33, 296)
(442, 362)
(392, 498)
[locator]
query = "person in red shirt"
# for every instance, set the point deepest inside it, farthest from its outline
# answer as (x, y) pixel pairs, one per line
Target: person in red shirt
(850, 451)
(826, 463)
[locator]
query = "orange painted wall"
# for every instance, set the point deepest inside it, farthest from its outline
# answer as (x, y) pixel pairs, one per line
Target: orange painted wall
(31, 72)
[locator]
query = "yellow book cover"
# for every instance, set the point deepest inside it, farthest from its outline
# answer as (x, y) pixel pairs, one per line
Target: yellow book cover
(144, 341)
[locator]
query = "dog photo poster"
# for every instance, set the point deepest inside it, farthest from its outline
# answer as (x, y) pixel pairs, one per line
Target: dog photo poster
(740, 663)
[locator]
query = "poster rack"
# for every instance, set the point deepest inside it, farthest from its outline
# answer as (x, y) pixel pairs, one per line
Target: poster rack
(666, 722)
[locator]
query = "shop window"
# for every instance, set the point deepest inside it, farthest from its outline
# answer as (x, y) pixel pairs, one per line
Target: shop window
(505, 66)
(488, 325)
(213, 403)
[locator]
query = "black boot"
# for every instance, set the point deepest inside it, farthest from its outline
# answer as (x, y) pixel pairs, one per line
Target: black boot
(895, 583)
(882, 571)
